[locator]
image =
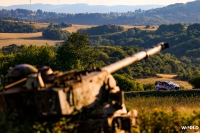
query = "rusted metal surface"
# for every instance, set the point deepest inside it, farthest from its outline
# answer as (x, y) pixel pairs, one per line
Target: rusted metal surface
(92, 95)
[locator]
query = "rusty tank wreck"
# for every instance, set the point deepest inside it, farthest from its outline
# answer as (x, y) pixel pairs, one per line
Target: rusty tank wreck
(91, 94)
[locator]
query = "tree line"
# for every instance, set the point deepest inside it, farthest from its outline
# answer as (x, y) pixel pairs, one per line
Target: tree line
(102, 29)
(53, 31)
(16, 27)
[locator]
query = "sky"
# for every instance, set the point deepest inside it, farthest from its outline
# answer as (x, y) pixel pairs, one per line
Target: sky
(93, 2)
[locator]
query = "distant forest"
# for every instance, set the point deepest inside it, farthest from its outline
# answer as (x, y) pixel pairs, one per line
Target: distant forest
(175, 13)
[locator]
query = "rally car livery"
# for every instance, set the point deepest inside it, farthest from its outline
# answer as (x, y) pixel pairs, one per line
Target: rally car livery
(166, 85)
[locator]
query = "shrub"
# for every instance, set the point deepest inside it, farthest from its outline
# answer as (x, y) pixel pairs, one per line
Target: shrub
(194, 81)
(127, 84)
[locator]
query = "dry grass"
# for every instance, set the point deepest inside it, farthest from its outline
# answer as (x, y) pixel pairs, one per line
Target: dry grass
(170, 76)
(76, 27)
(165, 77)
(25, 38)
(20, 35)
(126, 27)
(40, 25)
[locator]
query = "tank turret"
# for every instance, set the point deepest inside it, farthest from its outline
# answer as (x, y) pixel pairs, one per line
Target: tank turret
(20, 71)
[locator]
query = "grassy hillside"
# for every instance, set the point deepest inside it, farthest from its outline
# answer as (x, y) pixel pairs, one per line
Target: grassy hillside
(37, 39)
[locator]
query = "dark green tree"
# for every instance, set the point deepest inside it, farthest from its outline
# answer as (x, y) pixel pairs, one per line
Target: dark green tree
(55, 34)
(75, 52)
(194, 81)
(43, 55)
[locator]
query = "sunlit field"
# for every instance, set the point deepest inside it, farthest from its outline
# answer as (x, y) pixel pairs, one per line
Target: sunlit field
(25, 38)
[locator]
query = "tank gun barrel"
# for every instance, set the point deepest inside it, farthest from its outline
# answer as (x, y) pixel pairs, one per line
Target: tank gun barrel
(136, 57)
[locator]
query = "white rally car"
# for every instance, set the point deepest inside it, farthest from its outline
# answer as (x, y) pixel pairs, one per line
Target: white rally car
(166, 85)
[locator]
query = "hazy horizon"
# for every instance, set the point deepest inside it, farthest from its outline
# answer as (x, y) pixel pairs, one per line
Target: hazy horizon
(94, 2)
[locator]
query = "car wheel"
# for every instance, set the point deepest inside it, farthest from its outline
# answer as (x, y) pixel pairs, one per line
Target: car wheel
(177, 88)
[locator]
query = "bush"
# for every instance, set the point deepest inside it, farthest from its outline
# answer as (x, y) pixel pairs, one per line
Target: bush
(194, 81)
(127, 84)
(55, 34)
(102, 29)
